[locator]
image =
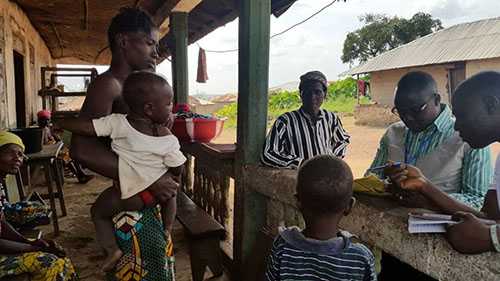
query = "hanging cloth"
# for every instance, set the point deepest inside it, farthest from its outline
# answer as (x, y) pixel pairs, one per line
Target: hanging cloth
(202, 76)
(361, 88)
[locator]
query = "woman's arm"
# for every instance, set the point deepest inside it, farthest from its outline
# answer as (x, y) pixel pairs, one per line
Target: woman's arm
(13, 247)
(9, 233)
(12, 242)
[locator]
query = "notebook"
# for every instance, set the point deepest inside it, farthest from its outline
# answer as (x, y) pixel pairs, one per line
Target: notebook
(432, 223)
(416, 224)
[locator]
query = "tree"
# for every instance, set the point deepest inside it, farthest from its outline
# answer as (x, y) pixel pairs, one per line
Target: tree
(381, 33)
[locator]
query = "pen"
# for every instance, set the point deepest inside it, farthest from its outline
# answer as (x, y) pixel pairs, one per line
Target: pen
(395, 164)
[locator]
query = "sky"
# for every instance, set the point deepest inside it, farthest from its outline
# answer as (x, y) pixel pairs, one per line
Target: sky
(316, 44)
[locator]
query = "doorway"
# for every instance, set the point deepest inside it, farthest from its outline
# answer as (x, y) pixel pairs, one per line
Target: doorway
(20, 90)
(455, 75)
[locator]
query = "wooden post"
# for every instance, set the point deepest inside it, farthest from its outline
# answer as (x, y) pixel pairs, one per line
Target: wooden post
(357, 87)
(253, 84)
(180, 83)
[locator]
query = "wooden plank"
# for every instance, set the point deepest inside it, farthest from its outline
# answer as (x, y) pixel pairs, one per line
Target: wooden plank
(48, 152)
(196, 221)
(250, 208)
(254, 30)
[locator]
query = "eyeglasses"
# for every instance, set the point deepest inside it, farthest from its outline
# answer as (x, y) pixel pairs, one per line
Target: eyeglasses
(412, 111)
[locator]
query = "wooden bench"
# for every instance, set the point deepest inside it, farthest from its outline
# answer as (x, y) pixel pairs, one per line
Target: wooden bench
(204, 235)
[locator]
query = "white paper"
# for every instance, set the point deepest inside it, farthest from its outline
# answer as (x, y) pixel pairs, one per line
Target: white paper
(426, 228)
(420, 225)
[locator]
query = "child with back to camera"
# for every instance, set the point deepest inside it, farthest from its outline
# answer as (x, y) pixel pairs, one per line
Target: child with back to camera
(321, 251)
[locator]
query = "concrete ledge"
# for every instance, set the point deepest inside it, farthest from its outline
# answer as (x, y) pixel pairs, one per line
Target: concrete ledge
(377, 222)
(278, 184)
(382, 223)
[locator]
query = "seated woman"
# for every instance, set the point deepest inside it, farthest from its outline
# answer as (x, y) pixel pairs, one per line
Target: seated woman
(40, 259)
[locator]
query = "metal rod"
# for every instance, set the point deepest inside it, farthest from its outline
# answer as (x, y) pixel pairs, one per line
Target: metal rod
(72, 75)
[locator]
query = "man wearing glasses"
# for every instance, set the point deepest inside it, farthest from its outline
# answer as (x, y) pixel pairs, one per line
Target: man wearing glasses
(426, 139)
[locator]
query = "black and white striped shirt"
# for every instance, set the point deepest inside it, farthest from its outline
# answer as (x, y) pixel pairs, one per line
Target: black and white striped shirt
(294, 138)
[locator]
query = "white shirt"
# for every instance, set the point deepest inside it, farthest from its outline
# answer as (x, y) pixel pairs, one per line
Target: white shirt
(143, 159)
(495, 185)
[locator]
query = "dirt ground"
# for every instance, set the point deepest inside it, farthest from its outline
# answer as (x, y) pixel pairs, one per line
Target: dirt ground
(77, 231)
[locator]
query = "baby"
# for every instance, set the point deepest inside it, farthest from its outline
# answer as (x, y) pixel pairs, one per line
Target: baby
(146, 149)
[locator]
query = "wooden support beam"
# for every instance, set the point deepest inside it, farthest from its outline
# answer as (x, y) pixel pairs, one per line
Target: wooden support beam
(163, 12)
(85, 20)
(250, 207)
(254, 30)
(179, 21)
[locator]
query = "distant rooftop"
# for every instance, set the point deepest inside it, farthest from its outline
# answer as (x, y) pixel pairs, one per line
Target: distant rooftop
(463, 42)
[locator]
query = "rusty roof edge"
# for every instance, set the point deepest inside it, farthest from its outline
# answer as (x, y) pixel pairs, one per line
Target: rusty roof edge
(279, 6)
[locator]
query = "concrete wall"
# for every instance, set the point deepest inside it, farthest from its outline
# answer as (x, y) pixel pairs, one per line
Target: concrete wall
(17, 33)
(475, 66)
(377, 221)
(383, 83)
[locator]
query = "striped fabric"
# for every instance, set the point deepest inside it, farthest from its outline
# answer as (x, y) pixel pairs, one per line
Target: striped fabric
(476, 168)
(306, 259)
(295, 138)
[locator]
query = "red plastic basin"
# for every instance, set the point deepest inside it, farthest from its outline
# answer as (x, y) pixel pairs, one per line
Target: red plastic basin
(197, 129)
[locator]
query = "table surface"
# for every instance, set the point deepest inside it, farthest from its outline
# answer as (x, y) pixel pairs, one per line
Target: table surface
(47, 152)
(218, 151)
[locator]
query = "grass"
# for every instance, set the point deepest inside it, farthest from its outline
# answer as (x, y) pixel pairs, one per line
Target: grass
(341, 98)
(339, 104)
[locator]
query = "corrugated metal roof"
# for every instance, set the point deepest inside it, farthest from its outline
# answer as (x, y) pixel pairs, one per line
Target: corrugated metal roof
(462, 42)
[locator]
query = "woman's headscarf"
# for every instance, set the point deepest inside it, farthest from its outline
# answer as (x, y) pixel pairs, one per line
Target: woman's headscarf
(10, 138)
(44, 114)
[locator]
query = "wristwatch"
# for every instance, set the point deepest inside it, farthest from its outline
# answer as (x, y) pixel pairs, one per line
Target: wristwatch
(494, 237)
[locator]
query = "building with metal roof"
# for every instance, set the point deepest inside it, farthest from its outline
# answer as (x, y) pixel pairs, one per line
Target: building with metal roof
(450, 55)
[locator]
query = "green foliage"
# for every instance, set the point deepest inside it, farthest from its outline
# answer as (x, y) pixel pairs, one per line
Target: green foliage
(381, 33)
(228, 111)
(341, 97)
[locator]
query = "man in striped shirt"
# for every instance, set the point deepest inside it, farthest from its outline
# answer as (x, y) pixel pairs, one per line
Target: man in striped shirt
(426, 138)
(321, 251)
(309, 131)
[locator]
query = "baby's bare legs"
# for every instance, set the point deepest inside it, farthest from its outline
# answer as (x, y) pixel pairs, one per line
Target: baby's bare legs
(107, 205)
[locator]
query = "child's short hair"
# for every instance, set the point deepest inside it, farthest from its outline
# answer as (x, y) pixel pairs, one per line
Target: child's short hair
(138, 88)
(324, 185)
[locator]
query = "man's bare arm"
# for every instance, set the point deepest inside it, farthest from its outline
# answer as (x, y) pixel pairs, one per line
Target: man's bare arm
(89, 150)
(78, 126)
